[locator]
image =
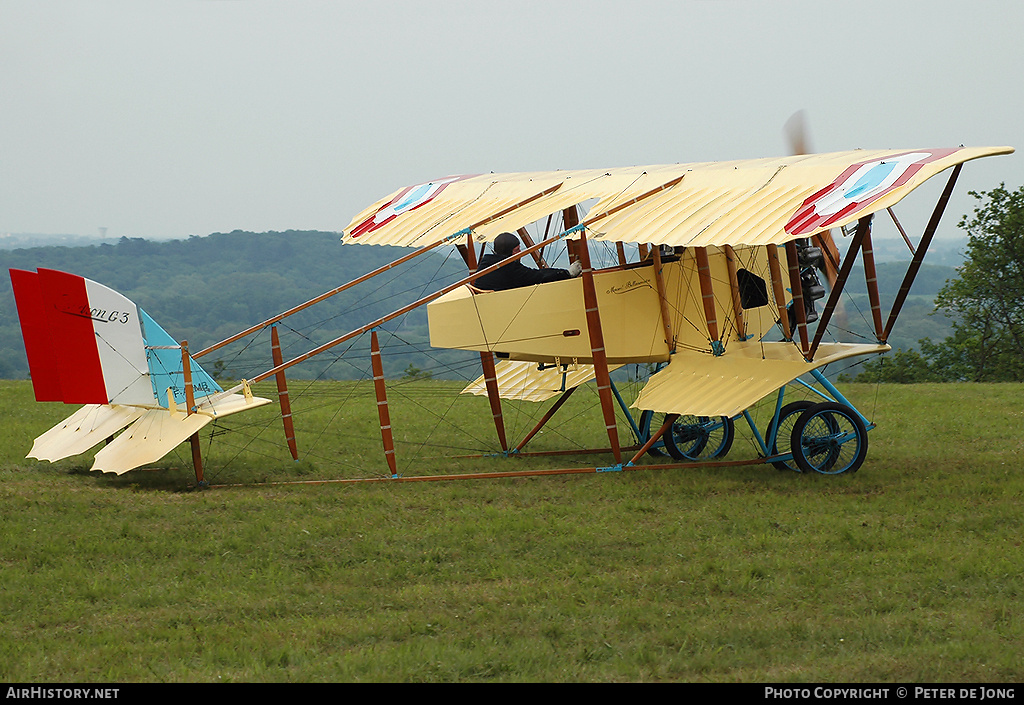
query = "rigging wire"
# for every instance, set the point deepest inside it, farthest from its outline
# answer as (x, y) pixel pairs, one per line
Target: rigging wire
(515, 411)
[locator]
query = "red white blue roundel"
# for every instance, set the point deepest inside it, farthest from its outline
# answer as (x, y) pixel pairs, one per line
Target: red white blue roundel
(408, 199)
(857, 187)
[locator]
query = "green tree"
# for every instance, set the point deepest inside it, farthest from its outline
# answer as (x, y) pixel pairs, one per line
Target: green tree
(985, 302)
(986, 299)
(902, 367)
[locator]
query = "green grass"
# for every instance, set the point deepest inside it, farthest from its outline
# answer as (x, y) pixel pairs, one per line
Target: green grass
(909, 570)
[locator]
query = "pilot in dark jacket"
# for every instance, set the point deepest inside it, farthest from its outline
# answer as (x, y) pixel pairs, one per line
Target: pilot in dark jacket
(516, 274)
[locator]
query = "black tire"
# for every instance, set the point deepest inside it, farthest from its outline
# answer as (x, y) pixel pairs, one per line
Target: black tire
(788, 416)
(644, 425)
(830, 439)
(699, 437)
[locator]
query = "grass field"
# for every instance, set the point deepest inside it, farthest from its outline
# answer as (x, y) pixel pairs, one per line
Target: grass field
(907, 571)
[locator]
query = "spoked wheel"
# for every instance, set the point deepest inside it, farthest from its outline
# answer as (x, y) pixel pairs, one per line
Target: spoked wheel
(788, 416)
(644, 425)
(699, 437)
(830, 439)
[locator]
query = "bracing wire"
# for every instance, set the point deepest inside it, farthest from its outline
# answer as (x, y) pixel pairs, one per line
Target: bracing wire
(436, 435)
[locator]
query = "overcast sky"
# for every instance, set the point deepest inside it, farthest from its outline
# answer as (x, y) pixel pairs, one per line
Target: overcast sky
(167, 118)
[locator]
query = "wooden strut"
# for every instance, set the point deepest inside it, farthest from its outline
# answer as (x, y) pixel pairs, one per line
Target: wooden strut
(190, 403)
(779, 289)
(604, 383)
(282, 394)
(734, 284)
(524, 235)
(922, 249)
(382, 404)
(666, 319)
(871, 279)
(550, 453)
(571, 219)
(830, 255)
(547, 417)
(494, 397)
(707, 294)
(547, 231)
(487, 363)
(798, 294)
(521, 473)
(899, 226)
(837, 289)
(669, 420)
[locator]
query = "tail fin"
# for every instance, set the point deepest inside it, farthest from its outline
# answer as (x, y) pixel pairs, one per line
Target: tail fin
(88, 344)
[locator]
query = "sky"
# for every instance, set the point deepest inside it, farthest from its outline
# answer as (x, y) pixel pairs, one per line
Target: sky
(170, 118)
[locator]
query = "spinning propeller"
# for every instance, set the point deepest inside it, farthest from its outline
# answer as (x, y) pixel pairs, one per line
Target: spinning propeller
(796, 131)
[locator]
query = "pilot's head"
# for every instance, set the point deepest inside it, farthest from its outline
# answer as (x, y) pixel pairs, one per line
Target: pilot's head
(505, 244)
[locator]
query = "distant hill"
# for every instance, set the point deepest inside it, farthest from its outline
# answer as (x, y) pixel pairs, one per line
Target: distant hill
(203, 289)
(948, 252)
(929, 280)
(12, 241)
(917, 320)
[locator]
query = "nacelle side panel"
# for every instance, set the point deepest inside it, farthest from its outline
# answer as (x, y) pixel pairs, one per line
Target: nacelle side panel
(548, 321)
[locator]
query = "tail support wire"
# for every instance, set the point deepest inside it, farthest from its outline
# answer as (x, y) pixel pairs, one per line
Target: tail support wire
(402, 311)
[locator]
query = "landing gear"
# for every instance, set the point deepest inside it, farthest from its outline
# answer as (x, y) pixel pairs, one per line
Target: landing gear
(829, 438)
(699, 437)
(782, 430)
(691, 437)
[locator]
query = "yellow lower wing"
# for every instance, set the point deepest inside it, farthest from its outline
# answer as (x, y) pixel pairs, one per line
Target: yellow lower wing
(525, 382)
(704, 385)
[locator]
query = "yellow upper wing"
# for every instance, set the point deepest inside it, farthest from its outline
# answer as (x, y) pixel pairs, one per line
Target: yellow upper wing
(748, 202)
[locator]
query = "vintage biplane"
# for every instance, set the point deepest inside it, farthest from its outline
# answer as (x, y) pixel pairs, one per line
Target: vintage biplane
(719, 273)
